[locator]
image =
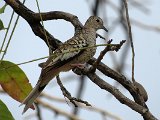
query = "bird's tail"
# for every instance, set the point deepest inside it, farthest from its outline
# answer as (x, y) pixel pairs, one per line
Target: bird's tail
(29, 100)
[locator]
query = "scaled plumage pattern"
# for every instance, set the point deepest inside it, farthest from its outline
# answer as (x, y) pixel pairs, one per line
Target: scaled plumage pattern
(65, 57)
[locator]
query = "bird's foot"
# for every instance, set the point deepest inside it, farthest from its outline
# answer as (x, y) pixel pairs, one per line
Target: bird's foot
(81, 66)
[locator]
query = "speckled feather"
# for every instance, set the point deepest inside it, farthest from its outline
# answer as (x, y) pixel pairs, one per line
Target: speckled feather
(66, 55)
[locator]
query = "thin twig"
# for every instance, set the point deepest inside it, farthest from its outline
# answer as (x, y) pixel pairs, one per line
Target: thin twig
(93, 68)
(130, 37)
(145, 26)
(14, 27)
(62, 100)
(68, 95)
(49, 46)
(65, 92)
(9, 24)
(139, 5)
(2, 51)
(80, 91)
(53, 108)
(92, 108)
(61, 53)
(39, 116)
(102, 54)
(57, 110)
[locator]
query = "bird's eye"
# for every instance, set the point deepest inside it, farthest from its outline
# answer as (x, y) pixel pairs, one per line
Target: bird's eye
(97, 20)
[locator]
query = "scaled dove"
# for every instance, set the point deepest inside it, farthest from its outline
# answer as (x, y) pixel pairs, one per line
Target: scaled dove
(65, 58)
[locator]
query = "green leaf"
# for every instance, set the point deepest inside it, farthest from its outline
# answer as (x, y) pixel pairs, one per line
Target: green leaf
(14, 81)
(2, 9)
(1, 25)
(5, 114)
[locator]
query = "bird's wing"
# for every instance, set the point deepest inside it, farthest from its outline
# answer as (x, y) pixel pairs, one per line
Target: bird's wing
(65, 53)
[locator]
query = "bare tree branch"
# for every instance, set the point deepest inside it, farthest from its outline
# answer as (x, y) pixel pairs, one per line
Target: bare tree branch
(33, 20)
(118, 95)
(102, 54)
(126, 84)
(81, 105)
(145, 26)
(68, 95)
(57, 110)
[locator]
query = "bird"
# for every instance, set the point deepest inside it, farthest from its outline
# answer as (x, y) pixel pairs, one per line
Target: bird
(67, 56)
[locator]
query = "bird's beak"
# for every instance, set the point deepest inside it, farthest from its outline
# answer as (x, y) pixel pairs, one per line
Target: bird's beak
(104, 29)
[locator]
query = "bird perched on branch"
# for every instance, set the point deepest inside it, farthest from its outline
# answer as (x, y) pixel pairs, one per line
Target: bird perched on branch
(67, 56)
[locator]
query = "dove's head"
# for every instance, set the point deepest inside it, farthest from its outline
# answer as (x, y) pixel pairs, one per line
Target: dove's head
(95, 23)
